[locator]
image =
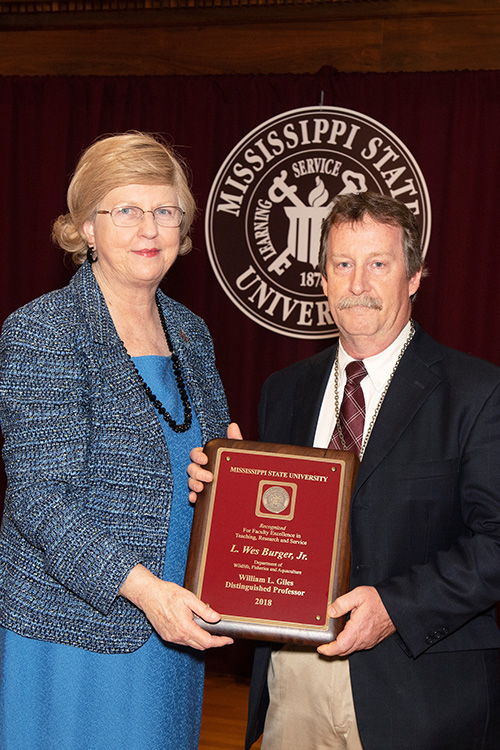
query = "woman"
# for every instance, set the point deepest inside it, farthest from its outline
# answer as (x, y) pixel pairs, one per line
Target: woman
(105, 386)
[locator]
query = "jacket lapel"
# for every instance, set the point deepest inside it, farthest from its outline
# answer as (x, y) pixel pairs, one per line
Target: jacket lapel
(411, 386)
(309, 393)
(186, 349)
(108, 357)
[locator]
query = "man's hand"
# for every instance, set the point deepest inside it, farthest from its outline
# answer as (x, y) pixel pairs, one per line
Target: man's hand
(368, 625)
(198, 476)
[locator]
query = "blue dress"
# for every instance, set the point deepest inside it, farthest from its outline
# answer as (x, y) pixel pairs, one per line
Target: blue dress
(54, 696)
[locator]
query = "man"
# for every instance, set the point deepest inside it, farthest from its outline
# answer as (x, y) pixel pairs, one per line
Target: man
(416, 666)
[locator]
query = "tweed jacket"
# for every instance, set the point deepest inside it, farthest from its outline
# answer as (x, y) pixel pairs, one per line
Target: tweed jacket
(89, 478)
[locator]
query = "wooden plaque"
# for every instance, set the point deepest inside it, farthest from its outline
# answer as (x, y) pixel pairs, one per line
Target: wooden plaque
(269, 546)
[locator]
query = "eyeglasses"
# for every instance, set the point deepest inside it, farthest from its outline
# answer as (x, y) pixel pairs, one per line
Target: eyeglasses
(131, 216)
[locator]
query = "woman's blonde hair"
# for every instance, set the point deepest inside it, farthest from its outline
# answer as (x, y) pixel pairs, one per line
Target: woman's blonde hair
(114, 161)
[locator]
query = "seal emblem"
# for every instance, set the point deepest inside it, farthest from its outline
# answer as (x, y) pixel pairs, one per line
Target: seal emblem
(271, 194)
(275, 499)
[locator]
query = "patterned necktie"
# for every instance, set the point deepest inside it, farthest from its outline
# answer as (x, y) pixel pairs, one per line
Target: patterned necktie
(352, 411)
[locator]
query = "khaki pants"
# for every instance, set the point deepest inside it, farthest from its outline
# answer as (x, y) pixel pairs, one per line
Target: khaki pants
(311, 705)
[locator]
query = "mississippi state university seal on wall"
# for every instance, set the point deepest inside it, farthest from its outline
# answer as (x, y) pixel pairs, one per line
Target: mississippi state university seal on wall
(271, 194)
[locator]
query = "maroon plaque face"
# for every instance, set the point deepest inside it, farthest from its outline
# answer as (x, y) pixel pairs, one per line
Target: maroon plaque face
(269, 548)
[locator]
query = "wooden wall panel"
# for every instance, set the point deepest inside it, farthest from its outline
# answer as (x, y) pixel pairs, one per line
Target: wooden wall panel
(441, 43)
(263, 37)
(287, 48)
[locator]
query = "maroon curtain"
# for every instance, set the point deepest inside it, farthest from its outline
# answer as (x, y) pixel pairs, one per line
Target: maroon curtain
(449, 121)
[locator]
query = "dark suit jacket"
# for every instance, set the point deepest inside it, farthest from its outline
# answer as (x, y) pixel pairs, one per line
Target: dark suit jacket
(425, 530)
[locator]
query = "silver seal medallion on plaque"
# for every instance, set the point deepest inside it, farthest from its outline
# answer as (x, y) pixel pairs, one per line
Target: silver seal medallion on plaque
(275, 499)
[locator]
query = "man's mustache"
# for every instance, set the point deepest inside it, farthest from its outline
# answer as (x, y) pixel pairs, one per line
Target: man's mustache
(345, 303)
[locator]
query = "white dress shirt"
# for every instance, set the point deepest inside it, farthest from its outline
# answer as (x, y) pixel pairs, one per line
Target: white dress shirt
(379, 369)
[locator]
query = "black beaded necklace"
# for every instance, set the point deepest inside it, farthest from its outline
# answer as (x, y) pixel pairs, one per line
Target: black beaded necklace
(188, 416)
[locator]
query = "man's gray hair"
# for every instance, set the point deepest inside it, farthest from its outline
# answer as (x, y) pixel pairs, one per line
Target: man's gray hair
(352, 209)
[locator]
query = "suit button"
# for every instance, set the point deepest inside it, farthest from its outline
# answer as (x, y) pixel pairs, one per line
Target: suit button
(429, 640)
(440, 632)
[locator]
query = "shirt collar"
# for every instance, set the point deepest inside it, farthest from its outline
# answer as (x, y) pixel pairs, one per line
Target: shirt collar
(380, 366)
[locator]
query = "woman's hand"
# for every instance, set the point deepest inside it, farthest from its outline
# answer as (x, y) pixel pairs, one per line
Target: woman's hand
(170, 608)
(198, 476)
